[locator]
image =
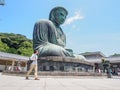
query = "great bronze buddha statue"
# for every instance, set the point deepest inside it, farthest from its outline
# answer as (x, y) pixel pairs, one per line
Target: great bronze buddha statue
(48, 36)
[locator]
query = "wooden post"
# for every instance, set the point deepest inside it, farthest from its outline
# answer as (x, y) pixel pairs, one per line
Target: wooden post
(13, 63)
(94, 68)
(5, 65)
(25, 68)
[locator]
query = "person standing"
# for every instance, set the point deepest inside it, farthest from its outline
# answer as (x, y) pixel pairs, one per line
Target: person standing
(33, 65)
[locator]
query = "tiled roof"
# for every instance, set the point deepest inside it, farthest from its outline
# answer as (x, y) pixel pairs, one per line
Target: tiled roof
(13, 56)
(111, 59)
(93, 53)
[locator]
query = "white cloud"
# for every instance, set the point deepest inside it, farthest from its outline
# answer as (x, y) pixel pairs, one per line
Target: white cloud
(76, 17)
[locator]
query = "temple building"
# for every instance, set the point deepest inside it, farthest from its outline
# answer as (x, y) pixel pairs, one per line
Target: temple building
(96, 58)
(12, 62)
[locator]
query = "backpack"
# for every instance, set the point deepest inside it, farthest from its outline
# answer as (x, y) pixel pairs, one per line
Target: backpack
(30, 60)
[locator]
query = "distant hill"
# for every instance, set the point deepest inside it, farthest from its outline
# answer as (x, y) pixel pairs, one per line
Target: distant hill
(16, 43)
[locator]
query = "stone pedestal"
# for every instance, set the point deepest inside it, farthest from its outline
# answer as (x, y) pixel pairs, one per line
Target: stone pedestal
(66, 64)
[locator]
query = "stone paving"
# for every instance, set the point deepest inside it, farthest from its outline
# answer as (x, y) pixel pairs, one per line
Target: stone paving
(59, 83)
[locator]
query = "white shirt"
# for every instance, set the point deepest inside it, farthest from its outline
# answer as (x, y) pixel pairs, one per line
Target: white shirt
(34, 57)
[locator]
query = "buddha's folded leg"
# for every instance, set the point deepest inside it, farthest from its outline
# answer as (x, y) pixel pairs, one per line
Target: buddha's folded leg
(53, 50)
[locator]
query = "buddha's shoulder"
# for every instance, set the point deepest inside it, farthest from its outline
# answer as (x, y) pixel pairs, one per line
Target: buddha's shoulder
(44, 21)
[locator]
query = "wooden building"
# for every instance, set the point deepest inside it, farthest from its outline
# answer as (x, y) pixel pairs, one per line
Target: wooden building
(96, 58)
(12, 62)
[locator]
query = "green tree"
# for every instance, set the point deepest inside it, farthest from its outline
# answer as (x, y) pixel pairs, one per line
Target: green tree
(3, 47)
(16, 43)
(25, 51)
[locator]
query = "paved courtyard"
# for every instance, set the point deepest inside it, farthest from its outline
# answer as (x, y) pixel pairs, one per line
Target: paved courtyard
(59, 83)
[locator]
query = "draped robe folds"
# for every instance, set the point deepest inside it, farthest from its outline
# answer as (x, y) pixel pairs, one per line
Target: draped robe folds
(49, 40)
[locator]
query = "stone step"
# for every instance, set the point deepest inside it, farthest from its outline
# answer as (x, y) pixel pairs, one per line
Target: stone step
(56, 73)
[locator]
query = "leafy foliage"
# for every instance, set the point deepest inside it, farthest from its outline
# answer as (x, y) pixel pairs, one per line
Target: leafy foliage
(15, 43)
(114, 55)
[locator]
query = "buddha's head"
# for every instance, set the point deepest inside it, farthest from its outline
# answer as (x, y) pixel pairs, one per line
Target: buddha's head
(58, 15)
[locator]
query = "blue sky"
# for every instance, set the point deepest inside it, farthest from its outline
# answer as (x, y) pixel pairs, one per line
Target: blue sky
(91, 25)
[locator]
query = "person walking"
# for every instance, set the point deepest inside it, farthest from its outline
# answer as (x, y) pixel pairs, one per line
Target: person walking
(33, 65)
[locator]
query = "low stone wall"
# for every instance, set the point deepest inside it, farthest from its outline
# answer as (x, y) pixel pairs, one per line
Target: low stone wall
(70, 74)
(56, 73)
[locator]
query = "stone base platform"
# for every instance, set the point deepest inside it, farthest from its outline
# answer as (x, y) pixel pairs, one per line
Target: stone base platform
(64, 64)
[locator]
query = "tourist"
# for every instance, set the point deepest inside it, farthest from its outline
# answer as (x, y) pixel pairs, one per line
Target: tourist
(33, 65)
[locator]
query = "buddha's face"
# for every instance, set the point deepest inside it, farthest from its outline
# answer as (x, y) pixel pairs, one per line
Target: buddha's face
(60, 16)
